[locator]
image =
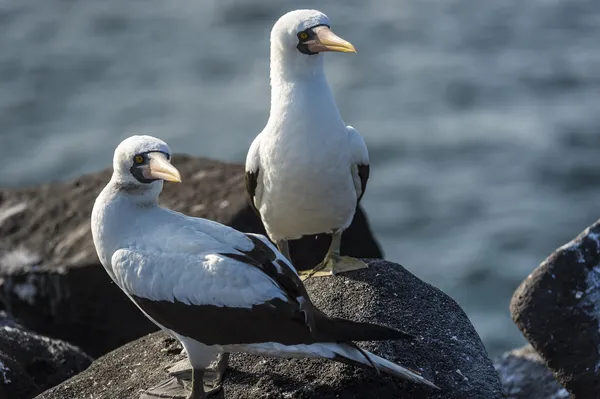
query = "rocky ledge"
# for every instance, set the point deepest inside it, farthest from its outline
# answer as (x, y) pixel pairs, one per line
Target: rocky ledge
(524, 376)
(51, 278)
(447, 350)
(558, 310)
(31, 363)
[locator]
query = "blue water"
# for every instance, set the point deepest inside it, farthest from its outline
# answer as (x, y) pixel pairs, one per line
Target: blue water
(482, 117)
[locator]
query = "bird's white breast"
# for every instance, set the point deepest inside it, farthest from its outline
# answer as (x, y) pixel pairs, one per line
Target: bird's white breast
(306, 165)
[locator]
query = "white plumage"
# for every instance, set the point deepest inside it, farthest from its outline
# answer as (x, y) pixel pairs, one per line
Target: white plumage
(306, 184)
(303, 168)
(216, 289)
(160, 254)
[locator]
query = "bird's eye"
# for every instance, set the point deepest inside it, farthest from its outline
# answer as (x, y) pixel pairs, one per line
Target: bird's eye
(303, 35)
(138, 159)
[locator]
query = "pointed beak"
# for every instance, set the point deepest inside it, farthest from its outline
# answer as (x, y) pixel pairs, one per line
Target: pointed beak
(159, 167)
(326, 40)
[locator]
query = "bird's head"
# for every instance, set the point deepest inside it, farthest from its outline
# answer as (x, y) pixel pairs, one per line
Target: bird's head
(142, 163)
(302, 35)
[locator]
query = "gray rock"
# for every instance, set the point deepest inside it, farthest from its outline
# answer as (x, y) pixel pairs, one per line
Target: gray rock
(524, 376)
(558, 310)
(447, 350)
(31, 363)
(52, 280)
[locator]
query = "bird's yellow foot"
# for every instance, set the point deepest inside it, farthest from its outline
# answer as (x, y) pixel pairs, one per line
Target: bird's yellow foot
(333, 264)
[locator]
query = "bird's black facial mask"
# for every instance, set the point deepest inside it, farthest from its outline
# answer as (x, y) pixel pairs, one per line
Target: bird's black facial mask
(307, 36)
(141, 161)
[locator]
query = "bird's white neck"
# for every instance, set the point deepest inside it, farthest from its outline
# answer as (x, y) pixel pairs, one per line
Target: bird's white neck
(139, 194)
(299, 86)
(117, 204)
(290, 64)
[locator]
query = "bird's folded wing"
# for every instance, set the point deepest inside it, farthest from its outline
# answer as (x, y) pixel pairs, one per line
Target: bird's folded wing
(217, 298)
(360, 158)
(231, 295)
(199, 279)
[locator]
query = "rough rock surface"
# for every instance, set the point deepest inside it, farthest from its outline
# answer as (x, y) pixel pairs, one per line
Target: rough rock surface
(51, 278)
(558, 310)
(524, 376)
(31, 363)
(447, 350)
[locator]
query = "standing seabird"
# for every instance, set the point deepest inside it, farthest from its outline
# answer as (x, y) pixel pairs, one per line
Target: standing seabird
(214, 288)
(306, 171)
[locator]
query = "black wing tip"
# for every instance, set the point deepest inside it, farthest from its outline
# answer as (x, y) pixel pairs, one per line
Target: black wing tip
(392, 333)
(400, 334)
(348, 330)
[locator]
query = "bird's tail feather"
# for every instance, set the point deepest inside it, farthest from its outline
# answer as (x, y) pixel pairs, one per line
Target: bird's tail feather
(350, 354)
(347, 353)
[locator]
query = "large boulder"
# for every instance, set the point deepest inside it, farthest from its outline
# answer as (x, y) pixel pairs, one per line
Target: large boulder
(51, 278)
(447, 350)
(557, 308)
(31, 363)
(524, 376)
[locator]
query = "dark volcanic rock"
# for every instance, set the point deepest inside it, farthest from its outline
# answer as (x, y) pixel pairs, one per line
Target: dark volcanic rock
(447, 350)
(31, 363)
(524, 376)
(51, 278)
(558, 310)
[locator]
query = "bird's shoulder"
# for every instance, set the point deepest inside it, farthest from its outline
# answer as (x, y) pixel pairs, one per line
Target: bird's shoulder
(187, 234)
(358, 146)
(253, 156)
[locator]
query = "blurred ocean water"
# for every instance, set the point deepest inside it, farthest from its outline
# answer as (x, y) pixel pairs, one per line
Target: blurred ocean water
(482, 117)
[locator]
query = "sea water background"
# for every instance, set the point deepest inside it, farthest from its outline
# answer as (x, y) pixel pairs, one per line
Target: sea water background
(482, 117)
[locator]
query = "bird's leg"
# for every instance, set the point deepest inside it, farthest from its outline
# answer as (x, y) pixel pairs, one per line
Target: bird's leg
(284, 248)
(197, 385)
(199, 389)
(213, 377)
(334, 263)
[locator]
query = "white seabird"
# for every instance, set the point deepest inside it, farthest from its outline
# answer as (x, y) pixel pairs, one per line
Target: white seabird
(306, 171)
(214, 288)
